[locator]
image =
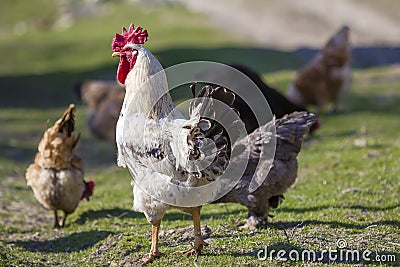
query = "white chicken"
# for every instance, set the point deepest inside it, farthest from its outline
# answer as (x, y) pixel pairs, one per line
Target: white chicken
(167, 154)
(161, 148)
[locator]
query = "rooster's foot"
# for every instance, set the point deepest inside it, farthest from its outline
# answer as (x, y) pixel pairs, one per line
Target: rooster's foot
(195, 250)
(153, 255)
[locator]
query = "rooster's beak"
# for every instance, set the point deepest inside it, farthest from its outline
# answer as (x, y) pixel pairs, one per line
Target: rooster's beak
(116, 54)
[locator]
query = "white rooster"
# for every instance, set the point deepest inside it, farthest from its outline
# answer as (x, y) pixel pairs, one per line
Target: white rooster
(158, 144)
(167, 154)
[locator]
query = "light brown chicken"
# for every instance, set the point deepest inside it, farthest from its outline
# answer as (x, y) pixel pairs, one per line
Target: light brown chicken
(104, 100)
(327, 76)
(56, 175)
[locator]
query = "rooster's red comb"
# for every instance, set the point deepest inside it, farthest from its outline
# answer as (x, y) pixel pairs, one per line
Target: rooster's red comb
(132, 35)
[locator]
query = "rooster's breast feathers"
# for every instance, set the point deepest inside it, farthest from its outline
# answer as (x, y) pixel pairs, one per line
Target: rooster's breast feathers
(181, 148)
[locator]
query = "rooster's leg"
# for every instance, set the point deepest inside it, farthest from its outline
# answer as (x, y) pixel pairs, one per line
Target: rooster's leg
(198, 239)
(56, 223)
(154, 253)
(63, 221)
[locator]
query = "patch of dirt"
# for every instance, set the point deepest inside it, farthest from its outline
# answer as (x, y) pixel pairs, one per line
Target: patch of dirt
(111, 252)
(25, 216)
(20, 213)
(369, 236)
(119, 257)
(183, 235)
(351, 190)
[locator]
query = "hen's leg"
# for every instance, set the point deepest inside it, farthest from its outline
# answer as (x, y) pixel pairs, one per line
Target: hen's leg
(253, 221)
(63, 221)
(56, 223)
(154, 253)
(198, 240)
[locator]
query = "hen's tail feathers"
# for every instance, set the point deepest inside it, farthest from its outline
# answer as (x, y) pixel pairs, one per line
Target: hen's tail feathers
(290, 130)
(217, 128)
(66, 125)
(67, 121)
(57, 146)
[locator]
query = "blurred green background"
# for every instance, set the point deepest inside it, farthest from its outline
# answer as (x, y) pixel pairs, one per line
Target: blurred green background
(348, 183)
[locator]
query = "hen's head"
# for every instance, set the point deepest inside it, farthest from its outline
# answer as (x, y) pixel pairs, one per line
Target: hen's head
(125, 46)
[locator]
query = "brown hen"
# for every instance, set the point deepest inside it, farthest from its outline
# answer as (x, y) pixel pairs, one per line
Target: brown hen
(56, 175)
(327, 77)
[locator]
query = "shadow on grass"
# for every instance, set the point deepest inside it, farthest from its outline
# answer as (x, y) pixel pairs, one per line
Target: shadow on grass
(332, 224)
(54, 89)
(267, 59)
(96, 153)
(119, 213)
(48, 90)
(337, 134)
(322, 207)
(288, 225)
(71, 243)
(178, 216)
(91, 215)
(173, 216)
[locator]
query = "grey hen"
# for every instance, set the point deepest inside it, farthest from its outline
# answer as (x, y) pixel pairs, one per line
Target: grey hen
(290, 130)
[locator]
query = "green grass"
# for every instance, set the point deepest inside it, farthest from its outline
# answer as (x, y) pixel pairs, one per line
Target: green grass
(348, 185)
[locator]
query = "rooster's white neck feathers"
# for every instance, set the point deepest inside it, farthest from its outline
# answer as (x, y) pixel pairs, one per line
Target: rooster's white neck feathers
(147, 87)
